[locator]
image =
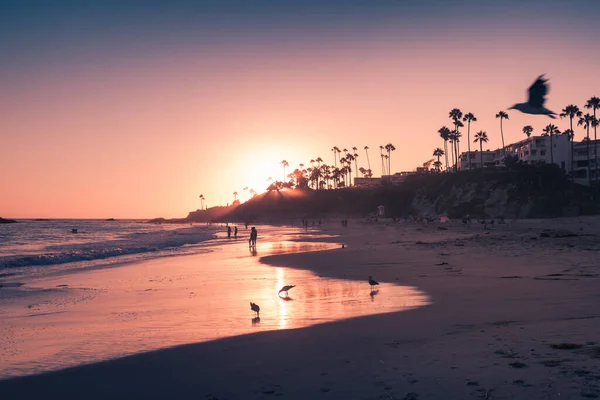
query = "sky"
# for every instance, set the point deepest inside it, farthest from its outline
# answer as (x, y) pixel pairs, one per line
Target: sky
(132, 109)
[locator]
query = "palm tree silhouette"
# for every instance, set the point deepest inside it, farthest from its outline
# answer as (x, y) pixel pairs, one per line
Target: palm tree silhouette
(445, 135)
(349, 159)
(586, 121)
(235, 196)
(455, 115)
(571, 111)
(381, 148)
(202, 202)
(551, 130)
(481, 137)
(456, 135)
(594, 104)
(285, 164)
(528, 130)
(335, 154)
(319, 160)
(469, 117)
(368, 162)
(389, 147)
(502, 115)
(355, 159)
(438, 153)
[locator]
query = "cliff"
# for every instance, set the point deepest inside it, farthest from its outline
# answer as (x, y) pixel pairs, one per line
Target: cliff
(522, 192)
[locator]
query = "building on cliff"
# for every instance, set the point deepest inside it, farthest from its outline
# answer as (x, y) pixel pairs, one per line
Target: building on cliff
(542, 150)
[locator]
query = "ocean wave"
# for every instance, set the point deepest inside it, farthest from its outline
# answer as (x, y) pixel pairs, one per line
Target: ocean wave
(172, 241)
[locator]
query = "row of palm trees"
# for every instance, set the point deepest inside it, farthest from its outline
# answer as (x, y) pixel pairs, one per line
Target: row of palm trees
(319, 175)
(453, 136)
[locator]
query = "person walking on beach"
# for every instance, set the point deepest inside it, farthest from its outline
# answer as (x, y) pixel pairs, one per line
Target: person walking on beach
(228, 232)
(253, 236)
(235, 232)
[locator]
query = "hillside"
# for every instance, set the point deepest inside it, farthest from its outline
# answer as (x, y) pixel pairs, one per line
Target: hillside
(524, 192)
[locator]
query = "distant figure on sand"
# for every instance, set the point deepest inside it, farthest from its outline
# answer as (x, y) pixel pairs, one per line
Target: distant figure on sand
(235, 232)
(253, 237)
(228, 232)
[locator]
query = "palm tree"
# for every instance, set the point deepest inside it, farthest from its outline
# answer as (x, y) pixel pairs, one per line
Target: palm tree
(368, 162)
(235, 196)
(349, 159)
(469, 117)
(571, 111)
(594, 104)
(528, 130)
(389, 147)
(455, 115)
(456, 135)
(445, 135)
(202, 202)
(336, 151)
(551, 130)
(382, 160)
(355, 159)
(481, 137)
(586, 121)
(438, 153)
(502, 115)
(285, 164)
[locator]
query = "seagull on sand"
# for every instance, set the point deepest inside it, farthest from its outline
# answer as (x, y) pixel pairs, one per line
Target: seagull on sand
(535, 103)
(286, 288)
(372, 282)
(254, 307)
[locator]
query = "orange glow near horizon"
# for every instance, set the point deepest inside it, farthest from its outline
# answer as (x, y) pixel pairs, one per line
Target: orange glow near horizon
(143, 135)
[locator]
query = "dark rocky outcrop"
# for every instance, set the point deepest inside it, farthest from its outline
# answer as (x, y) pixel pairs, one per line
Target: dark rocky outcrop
(7, 221)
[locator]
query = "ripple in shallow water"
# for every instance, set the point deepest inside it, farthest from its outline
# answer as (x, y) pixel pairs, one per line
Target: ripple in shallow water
(166, 302)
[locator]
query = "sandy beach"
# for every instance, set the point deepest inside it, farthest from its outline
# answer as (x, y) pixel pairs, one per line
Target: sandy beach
(513, 315)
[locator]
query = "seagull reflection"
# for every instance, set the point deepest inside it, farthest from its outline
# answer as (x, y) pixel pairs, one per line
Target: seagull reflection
(285, 298)
(255, 320)
(373, 294)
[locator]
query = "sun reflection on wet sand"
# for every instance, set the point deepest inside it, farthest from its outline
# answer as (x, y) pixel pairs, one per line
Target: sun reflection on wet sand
(109, 313)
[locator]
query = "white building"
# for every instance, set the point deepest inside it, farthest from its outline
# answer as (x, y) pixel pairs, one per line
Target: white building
(532, 150)
(542, 150)
(580, 162)
(489, 159)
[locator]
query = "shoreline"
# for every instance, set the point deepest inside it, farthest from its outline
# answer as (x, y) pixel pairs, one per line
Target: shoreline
(499, 303)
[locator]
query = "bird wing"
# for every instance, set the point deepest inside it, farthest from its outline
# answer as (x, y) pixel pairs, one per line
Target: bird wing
(537, 92)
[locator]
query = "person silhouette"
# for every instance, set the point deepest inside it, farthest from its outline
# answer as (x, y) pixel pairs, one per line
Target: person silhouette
(235, 230)
(228, 232)
(253, 237)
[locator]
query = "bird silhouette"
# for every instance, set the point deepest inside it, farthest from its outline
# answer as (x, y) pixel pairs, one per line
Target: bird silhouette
(537, 96)
(372, 282)
(286, 288)
(254, 307)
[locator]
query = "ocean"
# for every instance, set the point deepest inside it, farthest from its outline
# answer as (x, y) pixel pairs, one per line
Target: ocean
(117, 288)
(31, 246)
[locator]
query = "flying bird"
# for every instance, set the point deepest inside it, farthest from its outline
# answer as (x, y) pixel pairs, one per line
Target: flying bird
(535, 103)
(286, 288)
(372, 282)
(254, 307)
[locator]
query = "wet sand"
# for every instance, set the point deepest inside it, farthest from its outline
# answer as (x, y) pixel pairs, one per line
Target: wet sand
(514, 315)
(67, 318)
